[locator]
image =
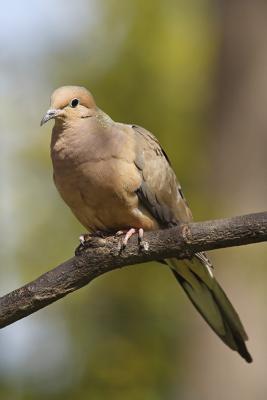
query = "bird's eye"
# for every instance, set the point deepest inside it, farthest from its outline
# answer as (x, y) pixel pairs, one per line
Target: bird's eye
(74, 103)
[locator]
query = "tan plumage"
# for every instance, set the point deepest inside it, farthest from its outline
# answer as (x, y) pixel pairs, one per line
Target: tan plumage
(115, 177)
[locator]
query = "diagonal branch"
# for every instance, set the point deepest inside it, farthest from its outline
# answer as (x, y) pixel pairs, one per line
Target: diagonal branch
(103, 255)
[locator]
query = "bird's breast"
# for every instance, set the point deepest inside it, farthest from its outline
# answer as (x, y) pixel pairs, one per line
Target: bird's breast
(102, 194)
(96, 176)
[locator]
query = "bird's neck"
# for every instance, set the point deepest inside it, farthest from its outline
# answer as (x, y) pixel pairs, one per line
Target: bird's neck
(103, 119)
(76, 141)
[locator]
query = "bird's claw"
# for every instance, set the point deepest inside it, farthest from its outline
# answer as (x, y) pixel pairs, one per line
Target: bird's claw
(126, 238)
(143, 244)
(85, 240)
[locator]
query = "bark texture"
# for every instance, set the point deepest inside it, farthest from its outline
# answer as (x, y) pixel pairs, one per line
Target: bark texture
(102, 255)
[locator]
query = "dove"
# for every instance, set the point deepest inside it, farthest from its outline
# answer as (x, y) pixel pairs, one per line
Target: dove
(117, 177)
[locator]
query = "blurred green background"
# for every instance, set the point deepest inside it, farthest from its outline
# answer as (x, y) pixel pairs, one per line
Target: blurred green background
(194, 73)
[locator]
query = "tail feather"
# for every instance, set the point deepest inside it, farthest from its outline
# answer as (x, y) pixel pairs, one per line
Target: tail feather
(198, 282)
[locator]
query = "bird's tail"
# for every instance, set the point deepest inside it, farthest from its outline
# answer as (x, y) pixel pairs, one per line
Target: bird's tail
(198, 282)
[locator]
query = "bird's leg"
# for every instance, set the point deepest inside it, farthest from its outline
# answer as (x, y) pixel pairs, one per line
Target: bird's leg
(128, 235)
(87, 237)
(142, 243)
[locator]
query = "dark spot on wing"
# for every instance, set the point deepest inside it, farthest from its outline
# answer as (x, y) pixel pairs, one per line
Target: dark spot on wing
(161, 212)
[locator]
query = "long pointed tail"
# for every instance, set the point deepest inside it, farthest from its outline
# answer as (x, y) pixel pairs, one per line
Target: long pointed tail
(198, 282)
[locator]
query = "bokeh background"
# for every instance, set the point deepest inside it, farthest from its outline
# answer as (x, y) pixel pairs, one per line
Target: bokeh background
(195, 74)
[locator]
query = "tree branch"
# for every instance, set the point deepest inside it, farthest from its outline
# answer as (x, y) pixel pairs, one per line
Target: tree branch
(102, 255)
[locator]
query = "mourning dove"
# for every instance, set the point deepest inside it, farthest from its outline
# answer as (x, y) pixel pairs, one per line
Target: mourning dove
(115, 177)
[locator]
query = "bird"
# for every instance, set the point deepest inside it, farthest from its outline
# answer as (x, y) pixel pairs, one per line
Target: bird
(117, 177)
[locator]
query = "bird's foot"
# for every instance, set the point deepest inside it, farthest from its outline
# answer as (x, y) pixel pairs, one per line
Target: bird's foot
(84, 239)
(90, 239)
(142, 243)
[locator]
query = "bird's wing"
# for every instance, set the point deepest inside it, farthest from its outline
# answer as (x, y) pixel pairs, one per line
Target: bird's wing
(160, 191)
(161, 194)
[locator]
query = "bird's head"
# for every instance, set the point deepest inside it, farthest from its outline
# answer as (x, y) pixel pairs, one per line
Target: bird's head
(70, 102)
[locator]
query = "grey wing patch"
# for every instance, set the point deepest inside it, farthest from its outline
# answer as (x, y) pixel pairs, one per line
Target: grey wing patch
(152, 139)
(146, 193)
(161, 212)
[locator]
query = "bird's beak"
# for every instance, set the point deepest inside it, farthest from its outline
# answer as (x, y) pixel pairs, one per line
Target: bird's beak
(49, 115)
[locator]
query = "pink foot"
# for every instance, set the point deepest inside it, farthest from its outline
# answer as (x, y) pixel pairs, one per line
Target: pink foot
(128, 235)
(143, 244)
